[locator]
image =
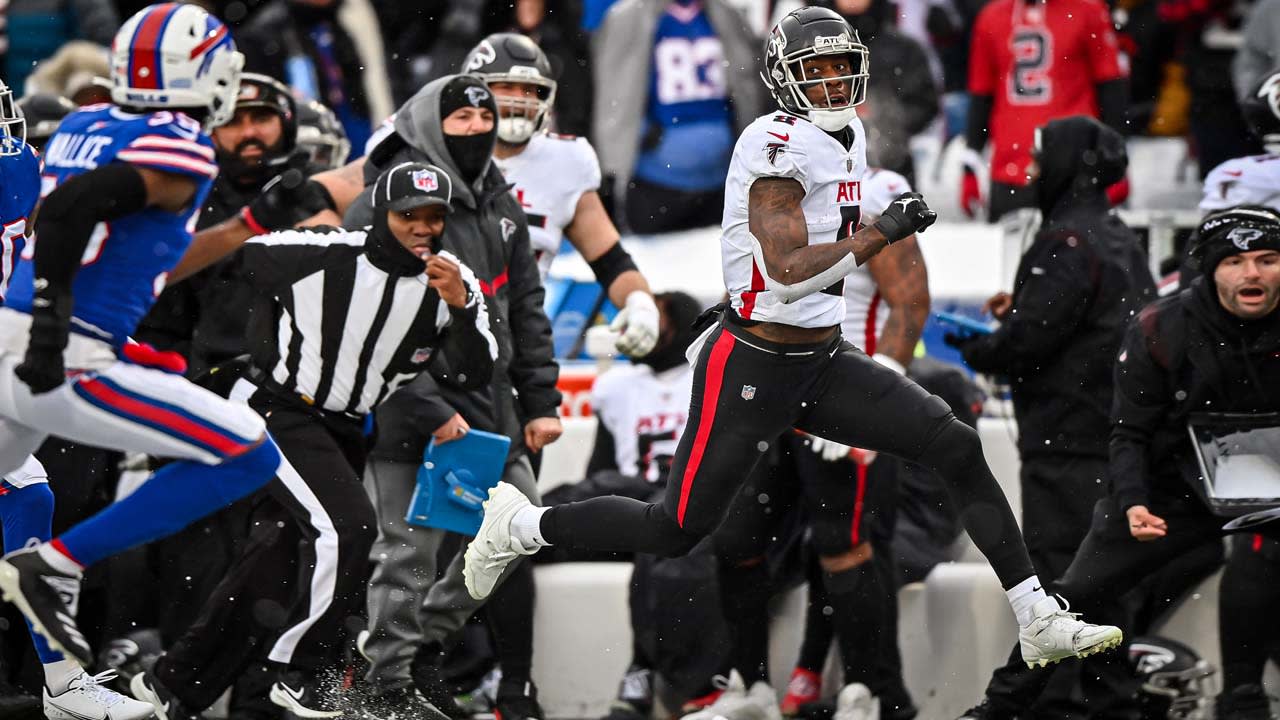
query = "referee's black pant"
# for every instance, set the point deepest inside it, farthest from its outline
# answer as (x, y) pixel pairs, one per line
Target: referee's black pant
(304, 571)
(746, 392)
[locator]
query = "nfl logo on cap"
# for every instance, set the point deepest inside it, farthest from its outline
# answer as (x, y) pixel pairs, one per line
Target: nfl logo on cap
(425, 180)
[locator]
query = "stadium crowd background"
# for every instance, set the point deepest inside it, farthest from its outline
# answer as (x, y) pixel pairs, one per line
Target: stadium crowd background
(1184, 64)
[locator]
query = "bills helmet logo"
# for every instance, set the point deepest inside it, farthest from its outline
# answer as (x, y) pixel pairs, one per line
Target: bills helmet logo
(425, 180)
(748, 392)
(1241, 237)
(773, 150)
(508, 228)
(483, 55)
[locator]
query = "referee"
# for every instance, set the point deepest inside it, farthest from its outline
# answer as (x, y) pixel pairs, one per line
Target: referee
(358, 313)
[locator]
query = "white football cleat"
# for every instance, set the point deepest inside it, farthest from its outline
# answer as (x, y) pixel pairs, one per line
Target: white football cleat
(733, 704)
(763, 696)
(493, 547)
(855, 702)
(1055, 634)
(86, 698)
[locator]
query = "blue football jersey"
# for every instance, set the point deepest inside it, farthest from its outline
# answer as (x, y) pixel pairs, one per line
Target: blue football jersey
(126, 261)
(19, 192)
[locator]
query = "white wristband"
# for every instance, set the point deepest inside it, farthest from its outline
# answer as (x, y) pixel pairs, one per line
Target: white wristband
(823, 280)
(890, 363)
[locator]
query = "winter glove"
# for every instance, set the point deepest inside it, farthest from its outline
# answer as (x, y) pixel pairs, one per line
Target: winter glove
(42, 367)
(906, 215)
(286, 200)
(970, 189)
(637, 324)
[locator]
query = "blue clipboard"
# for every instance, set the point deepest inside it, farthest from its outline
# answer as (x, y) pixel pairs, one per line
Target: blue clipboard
(961, 322)
(454, 480)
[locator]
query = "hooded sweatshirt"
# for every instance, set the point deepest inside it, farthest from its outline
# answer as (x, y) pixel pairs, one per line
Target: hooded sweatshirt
(1075, 290)
(488, 231)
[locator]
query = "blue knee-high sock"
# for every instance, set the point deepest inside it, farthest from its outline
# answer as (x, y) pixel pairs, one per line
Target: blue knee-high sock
(172, 498)
(27, 513)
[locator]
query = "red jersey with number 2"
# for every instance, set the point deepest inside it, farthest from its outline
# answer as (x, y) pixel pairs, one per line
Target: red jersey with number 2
(1038, 61)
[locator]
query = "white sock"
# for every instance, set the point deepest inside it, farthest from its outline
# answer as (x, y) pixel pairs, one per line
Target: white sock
(1024, 596)
(526, 526)
(58, 675)
(59, 561)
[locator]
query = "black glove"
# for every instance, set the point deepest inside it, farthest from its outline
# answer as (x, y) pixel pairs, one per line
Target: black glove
(286, 200)
(906, 215)
(42, 368)
(958, 340)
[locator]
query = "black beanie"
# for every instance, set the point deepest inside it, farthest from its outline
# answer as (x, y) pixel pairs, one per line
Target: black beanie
(1234, 231)
(466, 90)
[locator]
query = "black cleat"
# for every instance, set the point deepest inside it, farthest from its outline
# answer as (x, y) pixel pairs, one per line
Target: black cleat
(431, 684)
(518, 701)
(1246, 702)
(145, 687)
(32, 585)
(401, 704)
(305, 697)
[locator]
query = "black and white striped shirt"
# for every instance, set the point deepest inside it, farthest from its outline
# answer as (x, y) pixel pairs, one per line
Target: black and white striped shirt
(348, 331)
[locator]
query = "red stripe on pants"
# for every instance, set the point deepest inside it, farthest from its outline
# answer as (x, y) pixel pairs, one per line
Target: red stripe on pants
(872, 325)
(857, 504)
(710, 398)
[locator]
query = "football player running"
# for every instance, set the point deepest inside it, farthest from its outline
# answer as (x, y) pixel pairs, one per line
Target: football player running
(557, 179)
(776, 360)
(26, 503)
(124, 183)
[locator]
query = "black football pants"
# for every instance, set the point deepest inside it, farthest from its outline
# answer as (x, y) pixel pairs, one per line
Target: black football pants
(746, 392)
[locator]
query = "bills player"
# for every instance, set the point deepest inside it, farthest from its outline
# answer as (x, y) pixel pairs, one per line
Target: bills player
(776, 360)
(122, 186)
(1255, 179)
(557, 179)
(26, 503)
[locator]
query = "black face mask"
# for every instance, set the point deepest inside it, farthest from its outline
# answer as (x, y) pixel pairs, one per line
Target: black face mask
(470, 153)
(387, 254)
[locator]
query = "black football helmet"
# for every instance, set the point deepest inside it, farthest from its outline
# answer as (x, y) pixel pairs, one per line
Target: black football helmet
(322, 136)
(263, 91)
(13, 128)
(43, 113)
(1173, 679)
(807, 33)
(1261, 108)
(514, 58)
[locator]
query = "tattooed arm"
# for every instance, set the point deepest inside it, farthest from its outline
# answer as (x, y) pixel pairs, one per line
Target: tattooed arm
(903, 282)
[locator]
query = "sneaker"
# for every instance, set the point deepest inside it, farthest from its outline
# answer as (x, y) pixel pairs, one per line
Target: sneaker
(36, 588)
(1055, 634)
(305, 697)
(432, 685)
(401, 704)
(805, 687)
(765, 698)
(856, 703)
(493, 547)
(1246, 702)
(517, 701)
(733, 702)
(145, 687)
(87, 698)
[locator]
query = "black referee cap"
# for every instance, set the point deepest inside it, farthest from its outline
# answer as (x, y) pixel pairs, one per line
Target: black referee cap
(410, 185)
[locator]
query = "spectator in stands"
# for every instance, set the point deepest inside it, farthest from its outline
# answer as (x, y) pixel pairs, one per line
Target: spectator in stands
(1257, 56)
(1208, 34)
(1077, 286)
(902, 101)
(453, 122)
(556, 26)
(32, 30)
(303, 43)
(1031, 62)
(665, 149)
(78, 71)
(1213, 345)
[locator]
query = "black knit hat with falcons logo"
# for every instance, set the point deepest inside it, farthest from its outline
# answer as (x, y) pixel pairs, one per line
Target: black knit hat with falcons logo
(1233, 231)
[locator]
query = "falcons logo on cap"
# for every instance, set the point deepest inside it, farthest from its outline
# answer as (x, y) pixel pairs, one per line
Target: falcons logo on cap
(425, 180)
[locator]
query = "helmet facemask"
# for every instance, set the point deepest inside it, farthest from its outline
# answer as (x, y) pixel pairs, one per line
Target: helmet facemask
(790, 81)
(520, 118)
(13, 127)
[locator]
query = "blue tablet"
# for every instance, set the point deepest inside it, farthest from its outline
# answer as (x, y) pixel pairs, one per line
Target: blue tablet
(454, 481)
(961, 322)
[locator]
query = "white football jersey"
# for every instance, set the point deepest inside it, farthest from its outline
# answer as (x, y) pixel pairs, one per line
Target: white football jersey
(783, 145)
(645, 412)
(865, 311)
(550, 176)
(1252, 180)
